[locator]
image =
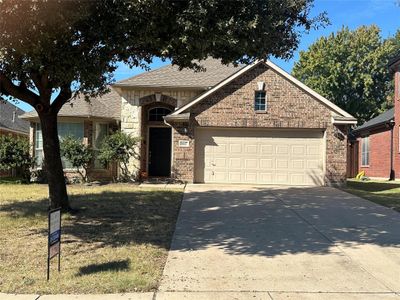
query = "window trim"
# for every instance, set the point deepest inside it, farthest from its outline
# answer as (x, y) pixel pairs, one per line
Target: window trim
(154, 108)
(256, 93)
(365, 152)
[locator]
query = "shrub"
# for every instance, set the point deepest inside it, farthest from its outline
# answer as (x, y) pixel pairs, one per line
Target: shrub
(14, 154)
(78, 154)
(119, 147)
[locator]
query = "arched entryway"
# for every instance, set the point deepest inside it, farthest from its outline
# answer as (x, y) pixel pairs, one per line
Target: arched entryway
(156, 145)
(159, 143)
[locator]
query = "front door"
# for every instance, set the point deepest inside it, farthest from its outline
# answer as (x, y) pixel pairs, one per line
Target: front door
(159, 158)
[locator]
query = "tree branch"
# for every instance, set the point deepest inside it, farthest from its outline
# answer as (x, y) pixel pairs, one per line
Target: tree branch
(20, 92)
(62, 98)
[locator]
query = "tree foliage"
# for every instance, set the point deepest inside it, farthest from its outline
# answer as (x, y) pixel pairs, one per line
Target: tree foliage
(15, 154)
(119, 147)
(64, 48)
(350, 68)
(78, 154)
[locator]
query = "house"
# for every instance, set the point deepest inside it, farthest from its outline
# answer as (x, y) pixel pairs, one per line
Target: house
(10, 124)
(251, 124)
(89, 121)
(375, 145)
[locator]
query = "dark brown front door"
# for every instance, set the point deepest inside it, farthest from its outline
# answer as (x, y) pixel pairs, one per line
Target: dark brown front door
(159, 159)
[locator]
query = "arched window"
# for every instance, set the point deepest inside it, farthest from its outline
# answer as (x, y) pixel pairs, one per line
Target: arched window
(157, 113)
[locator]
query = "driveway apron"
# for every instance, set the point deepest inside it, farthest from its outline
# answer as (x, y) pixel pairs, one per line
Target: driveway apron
(282, 241)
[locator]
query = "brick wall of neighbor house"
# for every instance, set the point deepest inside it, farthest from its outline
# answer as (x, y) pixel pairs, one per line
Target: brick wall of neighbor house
(396, 142)
(131, 111)
(288, 107)
(379, 154)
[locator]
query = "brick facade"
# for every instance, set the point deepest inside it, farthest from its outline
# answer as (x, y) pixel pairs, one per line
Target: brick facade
(288, 107)
(380, 141)
(379, 154)
(396, 132)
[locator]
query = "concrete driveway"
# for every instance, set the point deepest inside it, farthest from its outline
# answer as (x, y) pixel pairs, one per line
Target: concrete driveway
(240, 242)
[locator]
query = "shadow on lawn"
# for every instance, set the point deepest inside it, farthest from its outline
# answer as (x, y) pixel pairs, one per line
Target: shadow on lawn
(260, 221)
(118, 265)
(112, 218)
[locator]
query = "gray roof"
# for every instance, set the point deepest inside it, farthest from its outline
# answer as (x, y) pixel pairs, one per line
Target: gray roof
(379, 120)
(170, 76)
(395, 60)
(107, 106)
(9, 118)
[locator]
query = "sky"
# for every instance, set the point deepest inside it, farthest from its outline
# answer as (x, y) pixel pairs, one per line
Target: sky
(351, 13)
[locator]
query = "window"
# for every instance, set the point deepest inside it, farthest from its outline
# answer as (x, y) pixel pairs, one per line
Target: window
(365, 151)
(100, 132)
(64, 129)
(260, 101)
(38, 146)
(157, 113)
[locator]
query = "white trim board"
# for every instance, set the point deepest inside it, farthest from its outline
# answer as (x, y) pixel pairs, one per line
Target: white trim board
(277, 69)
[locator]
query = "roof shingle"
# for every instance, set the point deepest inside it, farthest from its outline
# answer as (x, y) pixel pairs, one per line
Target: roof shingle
(9, 118)
(107, 106)
(379, 120)
(170, 76)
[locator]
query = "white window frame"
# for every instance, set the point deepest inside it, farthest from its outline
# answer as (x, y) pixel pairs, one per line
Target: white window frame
(365, 151)
(256, 93)
(38, 167)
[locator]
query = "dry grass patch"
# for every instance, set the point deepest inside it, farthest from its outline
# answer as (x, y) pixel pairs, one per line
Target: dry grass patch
(118, 242)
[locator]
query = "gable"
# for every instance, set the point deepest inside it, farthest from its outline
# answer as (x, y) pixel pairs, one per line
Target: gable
(244, 73)
(287, 104)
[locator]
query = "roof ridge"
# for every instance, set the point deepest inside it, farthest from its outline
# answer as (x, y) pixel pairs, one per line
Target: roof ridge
(142, 74)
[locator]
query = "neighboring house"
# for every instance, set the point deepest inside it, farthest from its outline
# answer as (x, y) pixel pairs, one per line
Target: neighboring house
(10, 124)
(251, 124)
(90, 122)
(375, 145)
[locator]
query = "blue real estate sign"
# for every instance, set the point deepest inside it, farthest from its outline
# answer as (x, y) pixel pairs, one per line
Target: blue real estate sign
(54, 238)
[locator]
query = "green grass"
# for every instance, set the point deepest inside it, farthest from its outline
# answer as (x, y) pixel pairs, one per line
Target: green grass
(11, 180)
(386, 193)
(117, 242)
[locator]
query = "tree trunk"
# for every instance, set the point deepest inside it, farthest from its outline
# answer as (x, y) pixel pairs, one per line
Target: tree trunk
(55, 174)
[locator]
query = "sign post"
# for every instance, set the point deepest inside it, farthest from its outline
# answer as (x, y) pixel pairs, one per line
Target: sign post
(54, 238)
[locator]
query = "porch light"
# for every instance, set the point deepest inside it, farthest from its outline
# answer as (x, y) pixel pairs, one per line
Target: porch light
(261, 85)
(158, 97)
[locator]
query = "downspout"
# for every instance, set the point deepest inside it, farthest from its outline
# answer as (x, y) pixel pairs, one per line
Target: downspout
(392, 174)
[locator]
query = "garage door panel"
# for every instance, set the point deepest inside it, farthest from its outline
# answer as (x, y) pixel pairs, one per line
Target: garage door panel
(259, 156)
(235, 163)
(235, 176)
(267, 149)
(267, 163)
(251, 163)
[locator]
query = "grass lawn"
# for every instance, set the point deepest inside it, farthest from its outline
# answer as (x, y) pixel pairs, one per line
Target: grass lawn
(386, 193)
(117, 242)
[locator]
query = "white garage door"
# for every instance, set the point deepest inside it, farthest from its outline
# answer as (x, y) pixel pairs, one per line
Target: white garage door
(258, 156)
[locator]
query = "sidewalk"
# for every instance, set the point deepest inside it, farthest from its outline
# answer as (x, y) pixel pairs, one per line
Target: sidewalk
(127, 296)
